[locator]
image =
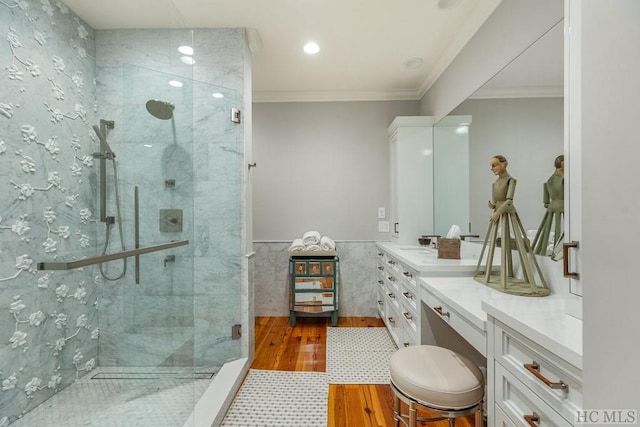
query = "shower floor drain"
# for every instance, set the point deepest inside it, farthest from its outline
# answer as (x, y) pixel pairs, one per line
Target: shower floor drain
(152, 375)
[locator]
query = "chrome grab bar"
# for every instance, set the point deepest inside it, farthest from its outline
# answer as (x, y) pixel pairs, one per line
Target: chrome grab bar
(110, 257)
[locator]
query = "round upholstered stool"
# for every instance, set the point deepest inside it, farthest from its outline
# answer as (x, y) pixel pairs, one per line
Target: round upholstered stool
(438, 379)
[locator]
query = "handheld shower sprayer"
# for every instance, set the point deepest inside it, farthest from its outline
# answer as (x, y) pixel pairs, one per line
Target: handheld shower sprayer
(105, 150)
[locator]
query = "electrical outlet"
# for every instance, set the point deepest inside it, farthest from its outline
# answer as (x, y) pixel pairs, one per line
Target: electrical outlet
(381, 213)
(383, 226)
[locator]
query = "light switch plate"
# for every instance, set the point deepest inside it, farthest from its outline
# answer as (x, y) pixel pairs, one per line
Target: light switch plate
(381, 213)
(383, 226)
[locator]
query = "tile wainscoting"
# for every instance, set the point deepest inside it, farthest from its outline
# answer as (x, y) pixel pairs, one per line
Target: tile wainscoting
(357, 290)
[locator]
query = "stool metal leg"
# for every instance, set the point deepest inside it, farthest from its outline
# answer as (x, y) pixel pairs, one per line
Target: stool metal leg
(396, 410)
(413, 414)
(478, 420)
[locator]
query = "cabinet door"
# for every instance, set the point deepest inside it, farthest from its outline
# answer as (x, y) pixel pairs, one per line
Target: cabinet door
(573, 156)
(411, 156)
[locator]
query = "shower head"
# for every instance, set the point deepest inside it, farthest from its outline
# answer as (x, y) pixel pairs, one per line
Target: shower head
(160, 109)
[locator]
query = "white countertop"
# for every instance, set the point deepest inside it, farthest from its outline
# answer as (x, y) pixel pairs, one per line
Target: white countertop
(426, 262)
(542, 319)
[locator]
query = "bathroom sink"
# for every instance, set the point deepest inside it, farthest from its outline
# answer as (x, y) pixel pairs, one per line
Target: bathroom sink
(417, 249)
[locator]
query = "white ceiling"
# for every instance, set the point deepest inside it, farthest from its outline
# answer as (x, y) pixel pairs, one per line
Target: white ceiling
(363, 43)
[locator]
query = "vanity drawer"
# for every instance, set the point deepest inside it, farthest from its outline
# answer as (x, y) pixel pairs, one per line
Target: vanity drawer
(381, 302)
(556, 381)
(475, 336)
(396, 324)
(410, 336)
(411, 300)
(501, 419)
(521, 405)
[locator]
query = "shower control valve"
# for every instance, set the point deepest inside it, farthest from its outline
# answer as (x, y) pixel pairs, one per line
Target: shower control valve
(169, 258)
(170, 220)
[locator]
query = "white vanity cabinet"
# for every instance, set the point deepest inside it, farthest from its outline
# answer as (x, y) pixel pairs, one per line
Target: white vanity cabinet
(398, 299)
(533, 379)
(411, 164)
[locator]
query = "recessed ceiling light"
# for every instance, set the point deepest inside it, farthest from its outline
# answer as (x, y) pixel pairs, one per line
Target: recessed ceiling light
(188, 60)
(185, 50)
(413, 63)
(175, 83)
(217, 95)
(311, 48)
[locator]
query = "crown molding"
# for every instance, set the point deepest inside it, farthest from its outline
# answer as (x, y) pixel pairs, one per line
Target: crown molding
(334, 96)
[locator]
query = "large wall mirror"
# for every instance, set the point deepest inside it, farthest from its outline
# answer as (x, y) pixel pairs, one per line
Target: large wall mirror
(519, 114)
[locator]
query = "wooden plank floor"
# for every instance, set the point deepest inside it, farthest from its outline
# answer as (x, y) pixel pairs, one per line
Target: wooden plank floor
(303, 348)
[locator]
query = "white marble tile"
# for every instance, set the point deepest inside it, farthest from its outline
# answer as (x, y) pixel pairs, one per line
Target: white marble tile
(357, 288)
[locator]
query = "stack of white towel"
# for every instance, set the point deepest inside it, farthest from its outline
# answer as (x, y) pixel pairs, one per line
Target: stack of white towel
(313, 241)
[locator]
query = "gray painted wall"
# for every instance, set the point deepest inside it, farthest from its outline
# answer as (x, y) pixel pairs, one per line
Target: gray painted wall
(322, 166)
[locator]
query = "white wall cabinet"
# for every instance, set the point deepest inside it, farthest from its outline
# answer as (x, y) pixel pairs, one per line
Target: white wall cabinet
(411, 154)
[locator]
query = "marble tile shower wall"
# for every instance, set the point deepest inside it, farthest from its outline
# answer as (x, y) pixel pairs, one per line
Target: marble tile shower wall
(202, 151)
(48, 320)
(60, 77)
(358, 278)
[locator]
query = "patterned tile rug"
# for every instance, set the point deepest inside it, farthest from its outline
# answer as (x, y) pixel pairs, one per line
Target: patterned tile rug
(358, 355)
(280, 399)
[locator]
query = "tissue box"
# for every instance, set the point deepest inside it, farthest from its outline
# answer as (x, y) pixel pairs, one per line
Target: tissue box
(448, 248)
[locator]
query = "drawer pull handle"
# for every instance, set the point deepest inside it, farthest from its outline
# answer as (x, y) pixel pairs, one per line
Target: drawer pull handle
(380, 282)
(407, 315)
(392, 296)
(380, 254)
(534, 368)
(406, 344)
(407, 274)
(392, 262)
(380, 302)
(441, 312)
(391, 278)
(407, 295)
(532, 419)
(392, 320)
(380, 268)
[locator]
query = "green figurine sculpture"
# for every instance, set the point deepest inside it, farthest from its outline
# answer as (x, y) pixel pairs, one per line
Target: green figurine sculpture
(504, 221)
(553, 199)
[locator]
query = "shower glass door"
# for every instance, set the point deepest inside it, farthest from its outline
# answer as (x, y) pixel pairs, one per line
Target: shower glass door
(155, 156)
(188, 170)
(182, 157)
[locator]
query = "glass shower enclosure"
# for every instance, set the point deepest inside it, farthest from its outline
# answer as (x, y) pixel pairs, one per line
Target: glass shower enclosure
(161, 267)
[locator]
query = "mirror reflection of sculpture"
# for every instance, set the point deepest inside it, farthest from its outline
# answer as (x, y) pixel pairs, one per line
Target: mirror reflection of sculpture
(553, 198)
(506, 231)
